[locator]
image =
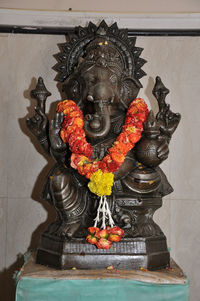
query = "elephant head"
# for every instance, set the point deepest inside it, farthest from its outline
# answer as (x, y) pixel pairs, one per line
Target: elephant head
(101, 87)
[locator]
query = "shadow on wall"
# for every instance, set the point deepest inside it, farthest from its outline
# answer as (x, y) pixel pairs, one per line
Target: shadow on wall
(7, 283)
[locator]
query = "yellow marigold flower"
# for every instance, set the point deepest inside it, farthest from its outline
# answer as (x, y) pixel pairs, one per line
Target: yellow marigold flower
(101, 183)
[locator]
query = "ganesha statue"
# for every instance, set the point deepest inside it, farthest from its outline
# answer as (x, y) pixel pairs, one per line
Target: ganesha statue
(106, 183)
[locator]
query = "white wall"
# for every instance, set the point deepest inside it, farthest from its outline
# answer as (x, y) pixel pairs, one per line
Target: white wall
(111, 5)
(22, 215)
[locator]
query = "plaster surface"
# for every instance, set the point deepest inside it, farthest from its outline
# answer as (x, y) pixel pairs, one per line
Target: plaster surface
(112, 5)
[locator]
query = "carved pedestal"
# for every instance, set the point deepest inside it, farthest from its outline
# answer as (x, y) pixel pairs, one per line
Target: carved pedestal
(149, 253)
(148, 249)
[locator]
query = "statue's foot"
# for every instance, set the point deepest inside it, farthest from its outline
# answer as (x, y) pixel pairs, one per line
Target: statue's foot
(68, 230)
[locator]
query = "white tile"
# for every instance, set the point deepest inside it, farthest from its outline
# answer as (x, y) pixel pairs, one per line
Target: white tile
(26, 169)
(4, 83)
(162, 218)
(185, 240)
(27, 219)
(25, 163)
(3, 272)
(3, 217)
(175, 60)
(3, 152)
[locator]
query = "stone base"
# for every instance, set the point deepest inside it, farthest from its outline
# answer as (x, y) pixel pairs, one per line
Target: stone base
(130, 253)
(37, 282)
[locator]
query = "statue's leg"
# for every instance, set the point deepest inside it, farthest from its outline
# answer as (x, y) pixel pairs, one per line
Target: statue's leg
(69, 200)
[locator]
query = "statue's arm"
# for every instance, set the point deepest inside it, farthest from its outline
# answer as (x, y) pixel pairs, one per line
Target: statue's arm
(48, 135)
(38, 126)
(57, 146)
(165, 121)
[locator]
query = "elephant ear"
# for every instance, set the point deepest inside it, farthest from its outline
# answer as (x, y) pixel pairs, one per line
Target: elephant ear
(129, 90)
(73, 88)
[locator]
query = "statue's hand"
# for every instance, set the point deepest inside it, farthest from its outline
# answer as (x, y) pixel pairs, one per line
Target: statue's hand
(168, 121)
(163, 151)
(38, 124)
(54, 133)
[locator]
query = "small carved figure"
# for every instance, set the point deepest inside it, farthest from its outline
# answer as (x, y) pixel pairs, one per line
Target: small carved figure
(101, 68)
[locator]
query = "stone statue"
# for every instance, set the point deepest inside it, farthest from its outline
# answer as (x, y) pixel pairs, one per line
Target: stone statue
(101, 67)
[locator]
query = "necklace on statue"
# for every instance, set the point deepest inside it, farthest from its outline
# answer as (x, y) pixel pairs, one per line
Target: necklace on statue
(100, 172)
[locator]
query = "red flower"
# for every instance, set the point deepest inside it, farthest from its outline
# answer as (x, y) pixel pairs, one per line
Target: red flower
(79, 132)
(117, 157)
(103, 243)
(88, 174)
(88, 150)
(78, 121)
(123, 138)
(107, 159)
(68, 109)
(76, 113)
(113, 166)
(80, 170)
(92, 239)
(139, 126)
(103, 166)
(67, 122)
(102, 233)
(72, 138)
(70, 129)
(130, 119)
(87, 169)
(77, 160)
(132, 109)
(75, 147)
(93, 230)
(114, 237)
(117, 230)
(134, 137)
(141, 116)
(124, 148)
(95, 166)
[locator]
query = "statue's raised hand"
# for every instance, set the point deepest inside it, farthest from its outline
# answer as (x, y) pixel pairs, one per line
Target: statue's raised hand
(54, 133)
(38, 124)
(167, 119)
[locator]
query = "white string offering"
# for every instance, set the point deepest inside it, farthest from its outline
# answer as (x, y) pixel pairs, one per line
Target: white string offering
(106, 214)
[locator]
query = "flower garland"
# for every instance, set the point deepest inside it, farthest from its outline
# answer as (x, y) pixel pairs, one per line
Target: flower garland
(100, 172)
(103, 239)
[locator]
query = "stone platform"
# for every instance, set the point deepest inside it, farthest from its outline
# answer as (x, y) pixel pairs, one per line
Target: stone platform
(37, 282)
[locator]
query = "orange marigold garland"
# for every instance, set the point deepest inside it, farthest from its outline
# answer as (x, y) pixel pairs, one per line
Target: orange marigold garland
(100, 172)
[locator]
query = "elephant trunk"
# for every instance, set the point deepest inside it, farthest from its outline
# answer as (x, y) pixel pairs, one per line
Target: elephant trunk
(97, 126)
